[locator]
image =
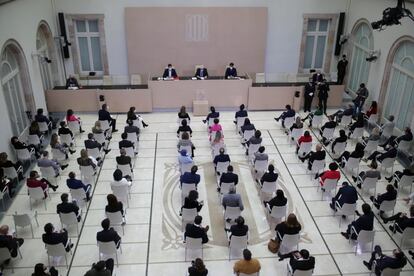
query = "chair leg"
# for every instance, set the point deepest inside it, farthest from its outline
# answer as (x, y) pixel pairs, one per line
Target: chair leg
(31, 228)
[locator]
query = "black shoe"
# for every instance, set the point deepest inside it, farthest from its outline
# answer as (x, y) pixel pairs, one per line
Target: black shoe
(82, 131)
(332, 207)
(391, 227)
(367, 265)
(357, 213)
(384, 220)
(107, 151)
(343, 216)
(396, 185)
(411, 252)
(354, 178)
(371, 198)
(323, 189)
(359, 186)
(204, 121)
(277, 119)
(72, 151)
(346, 236)
(64, 167)
(302, 159)
(54, 188)
(316, 176)
(115, 130)
(388, 179)
(145, 125)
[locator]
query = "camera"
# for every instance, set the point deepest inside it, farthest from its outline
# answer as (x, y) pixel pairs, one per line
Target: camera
(392, 16)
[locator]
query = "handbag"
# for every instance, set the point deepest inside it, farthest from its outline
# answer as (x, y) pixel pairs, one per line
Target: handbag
(273, 245)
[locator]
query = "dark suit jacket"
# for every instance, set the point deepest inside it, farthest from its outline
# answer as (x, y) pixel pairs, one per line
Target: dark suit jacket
(288, 113)
(323, 91)
(317, 155)
(9, 242)
(55, 238)
(348, 111)
(184, 129)
(389, 262)
(125, 144)
(405, 222)
(198, 72)
(92, 144)
(195, 232)
(42, 119)
(75, 184)
(191, 204)
(71, 82)
(131, 129)
(65, 130)
(309, 88)
(213, 115)
(221, 158)
(85, 162)
(229, 178)
(247, 127)
(317, 77)
(239, 231)
(230, 72)
(104, 115)
(277, 202)
(282, 229)
(241, 113)
(114, 209)
(123, 160)
(364, 222)
(108, 235)
(346, 194)
(190, 178)
(392, 153)
(269, 177)
(67, 207)
(386, 196)
(329, 124)
(405, 137)
(173, 73)
(339, 140)
(302, 264)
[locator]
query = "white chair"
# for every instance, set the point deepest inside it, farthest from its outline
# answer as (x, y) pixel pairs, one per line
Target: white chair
(387, 132)
(371, 146)
(339, 148)
(388, 163)
(288, 242)
(109, 249)
(186, 167)
(193, 244)
(130, 152)
(138, 123)
(298, 272)
(58, 155)
(404, 181)
(211, 121)
(358, 133)
(69, 219)
(33, 140)
(289, 121)
(369, 183)
(49, 173)
(186, 188)
(116, 219)
(100, 137)
(347, 209)
(260, 166)
(352, 164)
(221, 167)
(44, 127)
(363, 237)
(104, 124)
(5, 255)
(373, 119)
(225, 187)
(247, 134)
(66, 139)
(23, 220)
(37, 194)
(95, 153)
(388, 206)
(188, 149)
(3, 194)
(126, 170)
(122, 193)
(328, 133)
(317, 166)
(295, 134)
(133, 137)
(232, 213)
(11, 172)
(329, 185)
(239, 123)
(278, 212)
(74, 126)
(407, 234)
(57, 250)
(80, 196)
(252, 149)
(268, 189)
(87, 174)
(346, 120)
(317, 121)
(238, 243)
(188, 216)
(304, 148)
(24, 154)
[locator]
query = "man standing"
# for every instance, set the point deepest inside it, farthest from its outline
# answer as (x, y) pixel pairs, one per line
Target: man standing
(323, 95)
(342, 64)
(362, 95)
(309, 93)
(169, 72)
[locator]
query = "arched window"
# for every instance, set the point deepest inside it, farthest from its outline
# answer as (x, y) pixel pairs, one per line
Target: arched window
(362, 45)
(46, 56)
(400, 93)
(11, 81)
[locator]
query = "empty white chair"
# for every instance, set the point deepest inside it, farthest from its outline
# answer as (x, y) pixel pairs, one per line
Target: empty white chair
(388, 206)
(298, 272)
(116, 219)
(369, 183)
(247, 134)
(221, 167)
(23, 220)
(136, 79)
(328, 133)
(232, 213)
(33, 140)
(69, 219)
(304, 148)
(186, 167)
(347, 209)
(352, 165)
(122, 193)
(404, 145)
(25, 154)
(74, 126)
(407, 234)
(36, 194)
(95, 153)
(100, 137)
(371, 146)
(296, 133)
(79, 195)
(363, 237)
(193, 244)
(188, 216)
(346, 120)
(43, 126)
(278, 212)
(56, 250)
(329, 185)
(104, 124)
(288, 242)
(109, 249)
(358, 133)
(317, 120)
(126, 170)
(87, 174)
(404, 181)
(388, 163)
(289, 122)
(238, 243)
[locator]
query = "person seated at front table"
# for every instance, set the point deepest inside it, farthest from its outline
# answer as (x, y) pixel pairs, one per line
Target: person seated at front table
(290, 227)
(305, 138)
(363, 222)
(231, 71)
(169, 72)
(240, 114)
(286, 114)
(72, 83)
(396, 261)
(332, 173)
(201, 72)
(212, 115)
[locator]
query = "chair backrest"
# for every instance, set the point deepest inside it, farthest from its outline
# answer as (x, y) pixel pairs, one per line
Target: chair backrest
(10, 172)
(289, 121)
(104, 124)
(23, 154)
(186, 167)
(186, 188)
(66, 139)
(107, 248)
(126, 169)
(188, 215)
(247, 134)
(298, 272)
(87, 171)
(406, 180)
(373, 118)
(296, 133)
(339, 148)
(22, 220)
(358, 133)
(132, 136)
(317, 120)
(221, 167)
(36, 193)
(138, 123)
(387, 205)
(115, 218)
(187, 148)
(68, 218)
(95, 153)
(369, 183)
(328, 133)
(371, 146)
(352, 163)
(58, 155)
(47, 172)
(239, 242)
(348, 209)
(225, 187)
(99, 137)
(391, 272)
(4, 254)
(365, 236)
(240, 121)
(269, 187)
(232, 212)
(388, 162)
(290, 241)
(318, 165)
(74, 126)
(192, 243)
(330, 184)
(253, 148)
(346, 120)
(260, 165)
(78, 194)
(404, 145)
(305, 148)
(43, 127)
(33, 139)
(55, 250)
(278, 212)
(121, 191)
(388, 131)
(211, 121)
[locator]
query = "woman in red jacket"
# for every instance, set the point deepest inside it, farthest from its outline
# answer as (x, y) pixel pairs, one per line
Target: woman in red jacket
(306, 137)
(332, 173)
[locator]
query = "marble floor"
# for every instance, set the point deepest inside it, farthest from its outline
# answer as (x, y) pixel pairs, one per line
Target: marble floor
(152, 243)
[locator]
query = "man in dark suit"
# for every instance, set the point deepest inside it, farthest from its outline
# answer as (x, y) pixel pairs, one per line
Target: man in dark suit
(299, 260)
(125, 143)
(364, 222)
(228, 177)
(342, 64)
(346, 194)
(340, 113)
(286, 114)
(67, 207)
(190, 177)
(196, 231)
(397, 260)
(74, 184)
(312, 156)
(380, 156)
(390, 194)
(231, 71)
(123, 159)
(221, 157)
(201, 72)
(329, 124)
(242, 113)
(270, 175)
(91, 143)
(169, 72)
(64, 129)
(309, 94)
(323, 95)
(108, 234)
(104, 115)
(130, 128)
(52, 237)
(402, 221)
(317, 77)
(8, 241)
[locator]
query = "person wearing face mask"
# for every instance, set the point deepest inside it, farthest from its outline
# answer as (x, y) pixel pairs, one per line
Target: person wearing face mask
(341, 66)
(231, 71)
(201, 73)
(170, 72)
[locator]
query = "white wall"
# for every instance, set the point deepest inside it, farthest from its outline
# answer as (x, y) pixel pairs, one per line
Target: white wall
(19, 21)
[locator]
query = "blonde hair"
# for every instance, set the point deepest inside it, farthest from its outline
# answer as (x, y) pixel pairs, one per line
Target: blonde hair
(84, 154)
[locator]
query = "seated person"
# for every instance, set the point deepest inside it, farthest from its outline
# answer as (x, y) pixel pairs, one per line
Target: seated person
(86, 160)
(18, 145)
(72, 83)
(201, 72)
(299, 260)
(286, 114)
(305, 138)
(270, 175)
(332, 173)
(91, 143)
(254, 140)
(6, 183)
(64, 130)
(125, 143)
(394, 141)
(359, 123)
(101, 268)
(357, 153)
(317, 112)
(191, 201)
(70, 117)
(239, 229)
(340, 113)
(346, 194)
(216, 126)
(331, 124)
(401, 220)
(318, 154)
(389, 125)
(10, 241)
(399, 174)
(372, 110)
(114, 205)
(6, 163)
(363, 222)
(374, 135)
(130, 128)
(169, 72)
(196, 231)
(184, 128)
(217, 140)
(279, 200)
(74, 184)
(372, 173)
(231, 72)
(120, 180)
(228, 177)
(380, 156)
(41, 118)
(131, 115)
(33, 182)
(97, 129)
(67, 207)
(341, 139)
(34, 129)
(53, 237)
(41, 270)
(247, 265)
(221, 157)
(382, 261)
(108, 234)
(45, 162)
(291, 227)
(242, 113)
(186, 142)
(190, 177)
(63, 148)
(197, 268)
(246, 126)
(296, 125)
(232, 199)
(123, 159)
(260, 154)
(104, 115)
(183, 114)
(184, 158)
(212, 115)
(390, 194)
